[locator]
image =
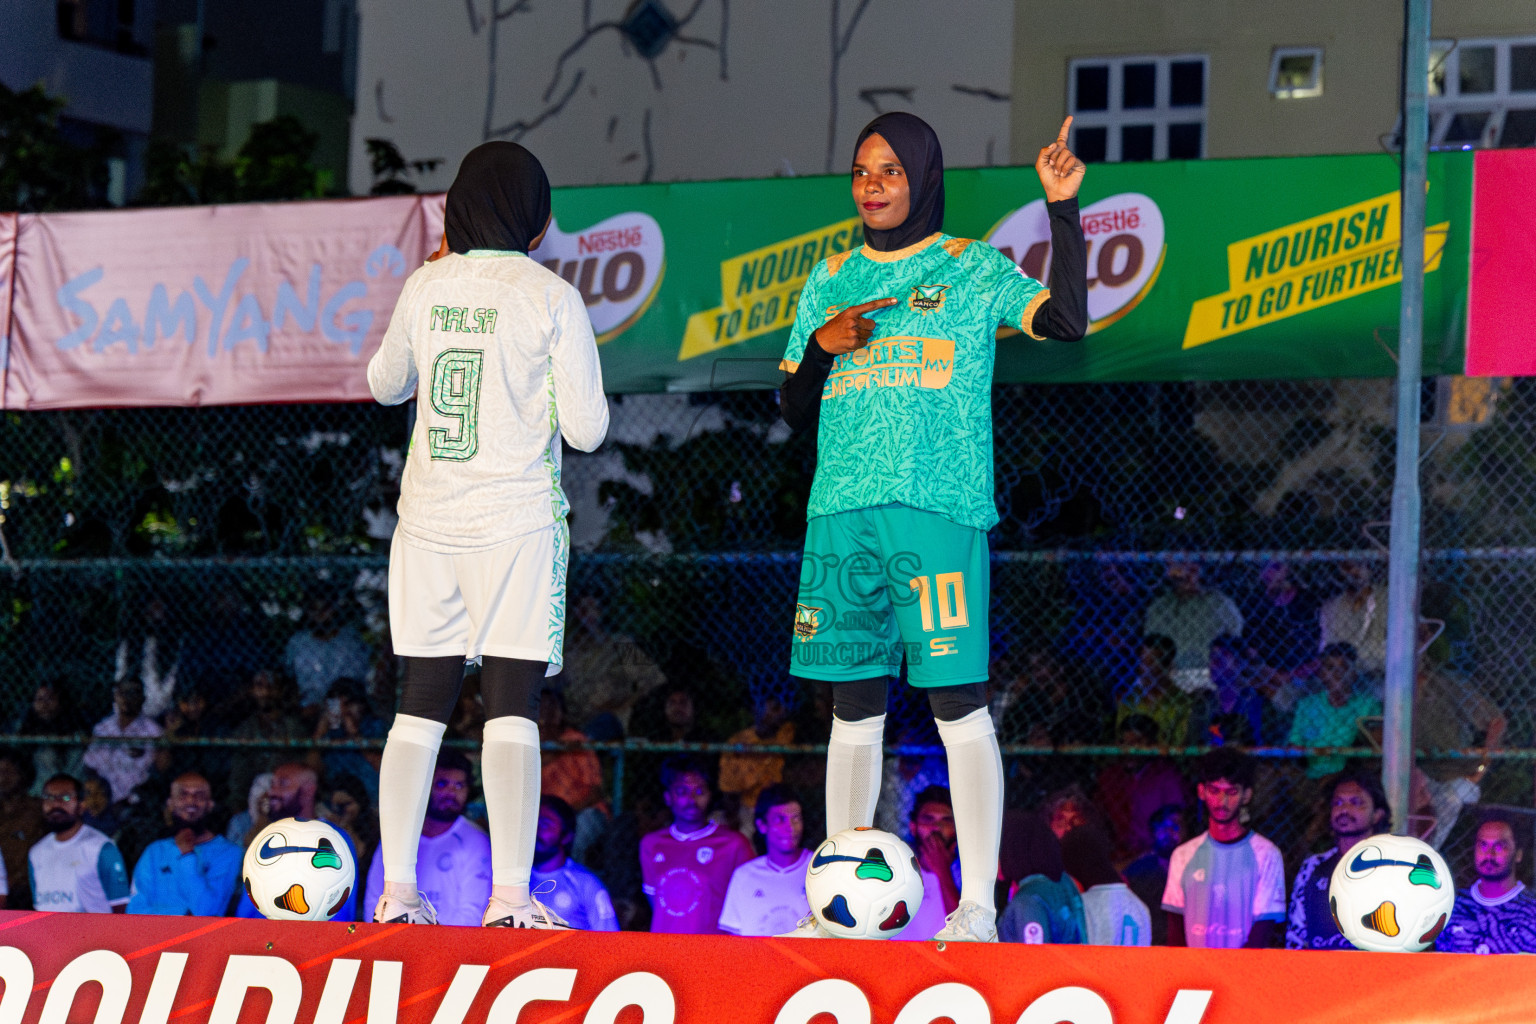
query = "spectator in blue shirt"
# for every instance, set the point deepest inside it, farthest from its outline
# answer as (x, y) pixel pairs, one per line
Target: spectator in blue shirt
(1495, 914)
(194, 870)
(563, 885)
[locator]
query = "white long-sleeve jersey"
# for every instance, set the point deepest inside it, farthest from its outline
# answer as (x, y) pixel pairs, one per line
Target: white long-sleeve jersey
(506, 363)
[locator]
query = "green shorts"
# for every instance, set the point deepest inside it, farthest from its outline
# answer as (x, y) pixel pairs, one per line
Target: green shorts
(880, 584)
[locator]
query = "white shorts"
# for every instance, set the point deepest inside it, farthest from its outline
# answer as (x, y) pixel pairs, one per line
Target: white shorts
(507, 602)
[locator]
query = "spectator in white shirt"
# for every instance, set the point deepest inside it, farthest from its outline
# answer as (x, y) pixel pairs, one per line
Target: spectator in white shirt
(1192, 616)
(123, 766)
(766, 896)
(1357, 617)
(1116, 916)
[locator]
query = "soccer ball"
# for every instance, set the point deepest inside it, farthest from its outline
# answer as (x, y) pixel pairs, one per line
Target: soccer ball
(864, 884)
(298, 869)
(1391, 894)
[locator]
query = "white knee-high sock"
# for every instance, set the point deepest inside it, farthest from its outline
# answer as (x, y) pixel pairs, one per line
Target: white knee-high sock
(509, 771)
(853, 772)
(976, 787)
(405, 784)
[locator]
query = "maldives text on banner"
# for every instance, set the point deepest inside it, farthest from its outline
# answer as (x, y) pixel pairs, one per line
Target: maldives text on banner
(1502, 306)
(77, 967)
(1201, 270)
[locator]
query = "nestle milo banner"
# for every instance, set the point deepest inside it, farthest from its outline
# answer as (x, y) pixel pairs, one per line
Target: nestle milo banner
(1197, 271)
(1200, 270)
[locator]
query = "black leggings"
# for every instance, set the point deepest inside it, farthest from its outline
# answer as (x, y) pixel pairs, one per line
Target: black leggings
(509, 686)
(863, 699)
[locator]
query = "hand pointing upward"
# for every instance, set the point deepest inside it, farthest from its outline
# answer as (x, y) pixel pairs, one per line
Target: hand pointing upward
(1061, 172)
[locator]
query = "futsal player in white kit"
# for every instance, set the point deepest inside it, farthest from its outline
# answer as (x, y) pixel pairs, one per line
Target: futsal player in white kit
(499, 353)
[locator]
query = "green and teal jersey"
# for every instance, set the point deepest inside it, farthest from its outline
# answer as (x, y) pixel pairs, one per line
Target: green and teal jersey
(907, 419)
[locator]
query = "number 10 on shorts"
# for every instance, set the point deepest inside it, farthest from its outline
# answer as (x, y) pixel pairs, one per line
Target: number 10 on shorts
(950, 588)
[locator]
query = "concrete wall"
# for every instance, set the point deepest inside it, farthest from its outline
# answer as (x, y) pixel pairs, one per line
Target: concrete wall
(102, 87)
(745, 90)
(1361, 41)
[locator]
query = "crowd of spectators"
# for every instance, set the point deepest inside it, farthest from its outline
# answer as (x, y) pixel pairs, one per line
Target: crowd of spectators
(1095, 850)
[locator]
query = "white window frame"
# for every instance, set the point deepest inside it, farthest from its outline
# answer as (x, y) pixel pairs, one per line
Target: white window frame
(1160, 115)
(1313, 88)
(1503, 99)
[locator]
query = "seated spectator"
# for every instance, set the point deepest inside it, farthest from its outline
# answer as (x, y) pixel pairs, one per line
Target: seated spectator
(347, 716)
(193, 871)
(1357, 808)
(932, 831)
(1115, 915)
(1068, 808)
(668, 715)
(1132, 788)
(575, 776)
(1045, 907)
(76, 868)
(293, 795)
(262, 712)
(1280, 623)
(1450, 713)
(100, 811)
(345, 804)
(124, 766)
(1495, 914)
(324, 651)
(563, 885)
(1231, 711)
(766, 896)
(1148, 875)
(687, 866)
(1191, 616)
(1331, 717)
(1157, 696)
(52, 713)
(1226, 886)
(453, 858)
(743, 776)
(245, 824)
(1358, 617)
(151, 655)
(24, 825)
(190, 719)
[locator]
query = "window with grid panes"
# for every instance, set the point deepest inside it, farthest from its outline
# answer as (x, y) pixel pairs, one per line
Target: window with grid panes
(1482, 93)
(1137, 108)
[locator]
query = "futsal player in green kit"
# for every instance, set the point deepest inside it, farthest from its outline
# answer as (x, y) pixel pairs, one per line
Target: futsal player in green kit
(892, 354)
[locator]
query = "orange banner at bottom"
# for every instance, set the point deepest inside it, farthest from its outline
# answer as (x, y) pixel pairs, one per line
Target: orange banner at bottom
(67, 968)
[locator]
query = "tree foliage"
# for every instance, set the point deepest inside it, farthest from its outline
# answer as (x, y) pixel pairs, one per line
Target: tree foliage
(275, 163)
(40, 169)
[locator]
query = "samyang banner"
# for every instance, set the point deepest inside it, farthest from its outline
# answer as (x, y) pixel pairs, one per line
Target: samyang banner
(1201, 270)
(59, 968)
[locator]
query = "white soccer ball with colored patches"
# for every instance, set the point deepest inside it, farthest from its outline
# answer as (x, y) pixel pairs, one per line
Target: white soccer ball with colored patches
(1391, 894)
(863, 883)
(298, 869)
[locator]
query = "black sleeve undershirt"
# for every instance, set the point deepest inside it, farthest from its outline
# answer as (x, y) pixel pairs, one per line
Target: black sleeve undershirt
(1064, 315)
(800, 397)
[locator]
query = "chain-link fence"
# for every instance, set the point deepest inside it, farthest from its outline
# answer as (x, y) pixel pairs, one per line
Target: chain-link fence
(232, 560)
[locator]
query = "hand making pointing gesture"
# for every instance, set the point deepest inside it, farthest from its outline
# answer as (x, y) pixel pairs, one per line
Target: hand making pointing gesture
(1061, 172)
(849, 329)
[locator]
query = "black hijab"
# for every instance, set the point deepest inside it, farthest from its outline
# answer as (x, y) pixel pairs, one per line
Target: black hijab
(500, 200)
(917, 147)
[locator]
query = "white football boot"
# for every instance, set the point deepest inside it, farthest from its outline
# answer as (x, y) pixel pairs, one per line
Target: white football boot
(533, 914)
(969, 923)
(394, 910)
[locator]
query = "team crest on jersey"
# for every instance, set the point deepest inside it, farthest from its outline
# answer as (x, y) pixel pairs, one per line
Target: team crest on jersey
(705, 854)
(807, 622)
(927, 297)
